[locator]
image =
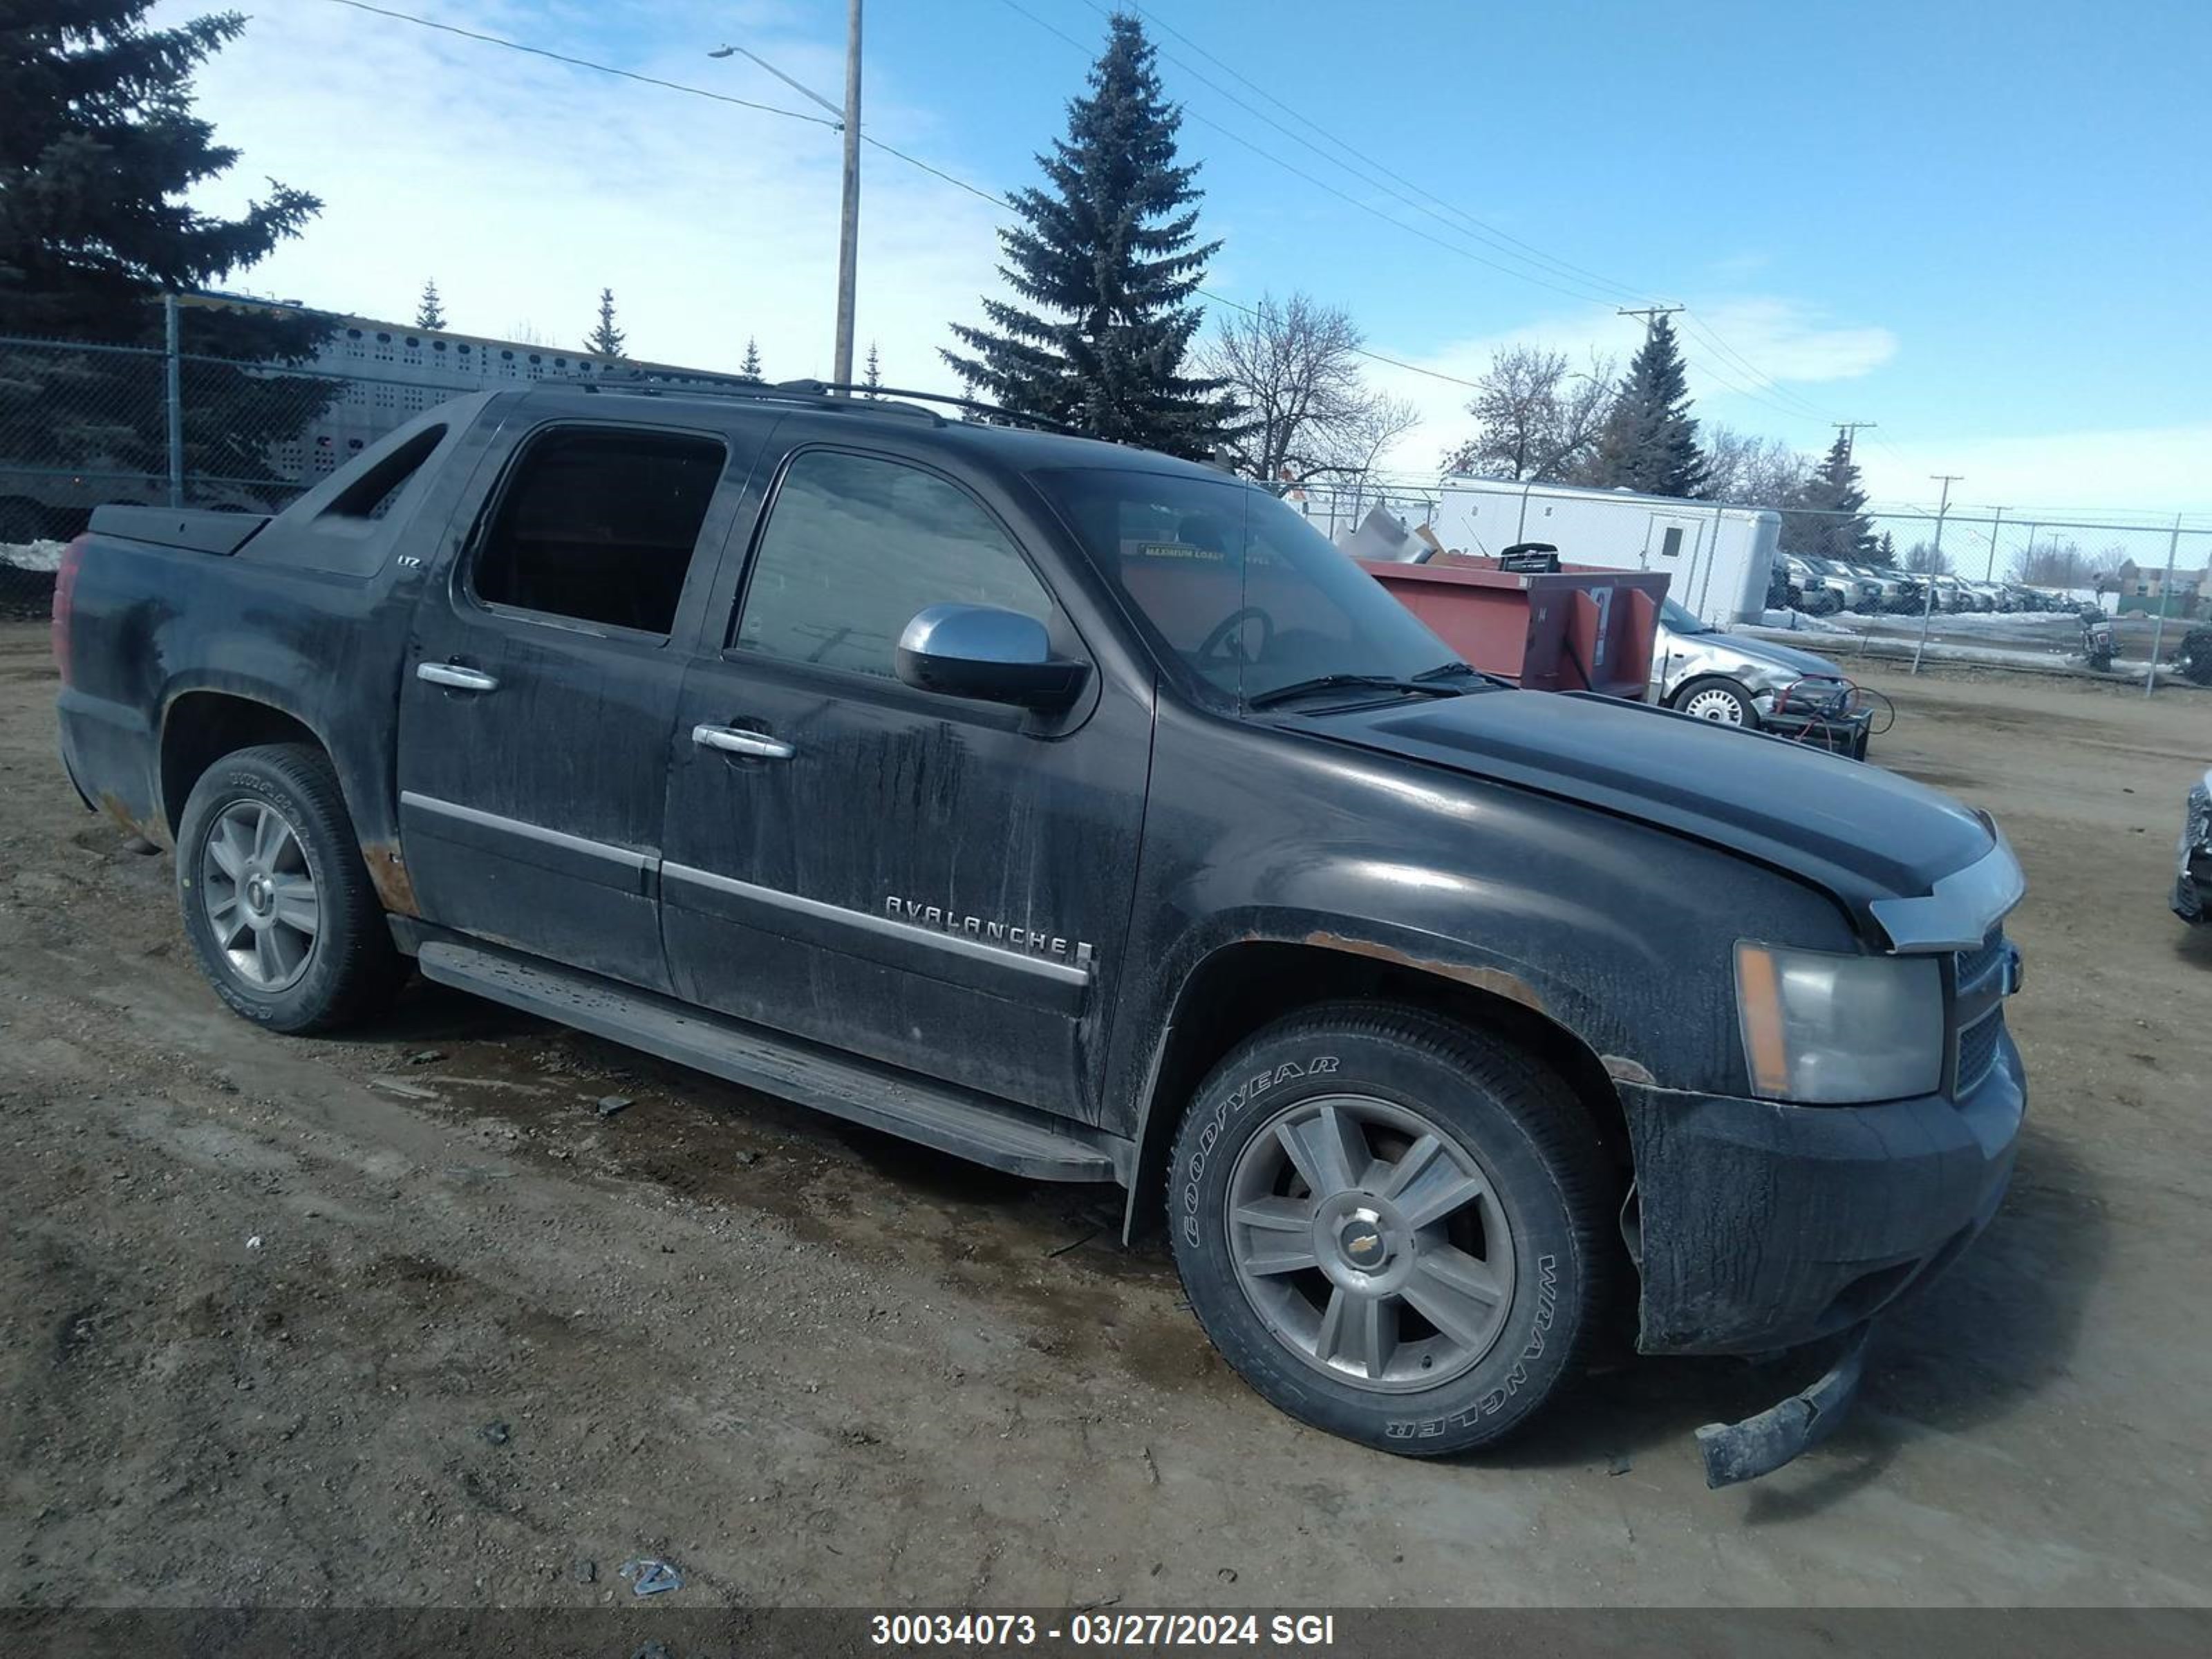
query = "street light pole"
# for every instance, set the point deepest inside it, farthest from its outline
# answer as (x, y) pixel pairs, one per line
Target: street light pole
(2165, 598)
(848, 228)
(848, 217)
(1935, 564)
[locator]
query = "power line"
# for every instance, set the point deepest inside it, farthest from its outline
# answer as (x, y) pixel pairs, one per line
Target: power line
(1368, 208)
(1805, 408)
(891, 150)
(1796, 408)
(581, 62)
(1470, 225)
(1801, 408)
(1000, 202)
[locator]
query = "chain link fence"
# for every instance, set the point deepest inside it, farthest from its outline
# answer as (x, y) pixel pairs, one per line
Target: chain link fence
(82, 424)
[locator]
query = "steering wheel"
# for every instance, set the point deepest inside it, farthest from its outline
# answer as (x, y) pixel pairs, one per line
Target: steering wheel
(1226, 630)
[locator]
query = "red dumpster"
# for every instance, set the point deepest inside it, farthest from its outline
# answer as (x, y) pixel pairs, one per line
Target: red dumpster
(1577, 628)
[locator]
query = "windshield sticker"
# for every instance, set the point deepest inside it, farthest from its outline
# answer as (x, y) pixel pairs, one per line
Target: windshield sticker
(1181, 550)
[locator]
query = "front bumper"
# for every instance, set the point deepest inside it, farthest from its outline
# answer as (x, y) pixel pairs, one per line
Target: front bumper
(1758, 1226)
(2192, 858)
(2192, 887)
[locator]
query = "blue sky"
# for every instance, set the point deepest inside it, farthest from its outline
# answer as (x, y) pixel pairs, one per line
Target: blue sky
(1986, 227)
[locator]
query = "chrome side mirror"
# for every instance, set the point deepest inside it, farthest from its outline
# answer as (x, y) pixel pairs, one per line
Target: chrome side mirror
(981, 651)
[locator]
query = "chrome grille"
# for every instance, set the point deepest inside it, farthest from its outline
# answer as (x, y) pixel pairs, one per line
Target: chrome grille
(1975, 965)
(1977, 1051)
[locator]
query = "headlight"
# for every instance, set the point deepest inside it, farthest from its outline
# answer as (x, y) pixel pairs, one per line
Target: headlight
(1834, 1029)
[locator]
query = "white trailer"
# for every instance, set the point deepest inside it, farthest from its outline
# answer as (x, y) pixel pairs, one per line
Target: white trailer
(1719, 557)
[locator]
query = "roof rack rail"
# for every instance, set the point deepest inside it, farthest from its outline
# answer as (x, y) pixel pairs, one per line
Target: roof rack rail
(841, 396)
(805, 393)
(991, 411)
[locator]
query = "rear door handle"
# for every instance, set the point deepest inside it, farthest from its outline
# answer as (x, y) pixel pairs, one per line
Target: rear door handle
(757, 746)
(455, 677)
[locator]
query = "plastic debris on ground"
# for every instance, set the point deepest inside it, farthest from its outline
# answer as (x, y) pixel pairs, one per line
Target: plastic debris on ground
(650, 1577)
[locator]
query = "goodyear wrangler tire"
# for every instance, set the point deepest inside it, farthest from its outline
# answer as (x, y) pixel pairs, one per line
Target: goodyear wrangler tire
(1392, 1226)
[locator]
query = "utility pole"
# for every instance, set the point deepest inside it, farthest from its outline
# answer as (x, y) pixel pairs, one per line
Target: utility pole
(1850, 431)
(1990, 570)
(1935, 557)
(2165, 598)
(849, 226)
(1650, 314)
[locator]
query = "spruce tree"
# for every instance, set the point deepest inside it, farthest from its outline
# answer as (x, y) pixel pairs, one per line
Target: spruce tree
(1831, 522)
(1107, 257)
(606, 339)
(99, 150)
(430, 310)
(751, 368)
(1650, 443)
(873, 377)
(98, 146)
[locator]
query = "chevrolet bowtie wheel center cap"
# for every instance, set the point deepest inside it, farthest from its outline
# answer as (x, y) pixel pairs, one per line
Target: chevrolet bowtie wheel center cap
(1363, 1244)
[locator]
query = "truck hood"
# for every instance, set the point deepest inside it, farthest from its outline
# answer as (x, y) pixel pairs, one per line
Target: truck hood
(1862, 834)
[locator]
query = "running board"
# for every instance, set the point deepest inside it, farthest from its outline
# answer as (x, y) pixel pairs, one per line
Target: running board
(944, 1116)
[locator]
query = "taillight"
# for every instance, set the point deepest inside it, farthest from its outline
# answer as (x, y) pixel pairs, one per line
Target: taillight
(65, 592)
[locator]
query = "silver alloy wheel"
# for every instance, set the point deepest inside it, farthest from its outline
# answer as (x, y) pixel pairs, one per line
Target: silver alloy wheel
(1374, 1248)
(1715, 704)
(260, 895)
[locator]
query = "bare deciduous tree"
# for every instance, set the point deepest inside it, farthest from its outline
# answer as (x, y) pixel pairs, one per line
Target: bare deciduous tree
(2053, 563)
(1752, 471)
(1927, 559)
(1539, 416)
(1293, 368)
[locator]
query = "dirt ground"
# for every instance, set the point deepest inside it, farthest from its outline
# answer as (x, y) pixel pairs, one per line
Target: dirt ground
(401, 1319)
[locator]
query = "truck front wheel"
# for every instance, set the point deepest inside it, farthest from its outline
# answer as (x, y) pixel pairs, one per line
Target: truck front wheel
(1393, 1227)
(276, 902)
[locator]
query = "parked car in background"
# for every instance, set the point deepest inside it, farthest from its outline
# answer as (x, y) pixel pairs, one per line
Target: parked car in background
(1813, 589)
(2192, 876)
(1737, 680)
(1863, 591)
(1901, 591)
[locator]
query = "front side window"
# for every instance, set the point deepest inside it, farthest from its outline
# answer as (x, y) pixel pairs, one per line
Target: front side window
(855, 546)
(599, 527)
(1236, 585)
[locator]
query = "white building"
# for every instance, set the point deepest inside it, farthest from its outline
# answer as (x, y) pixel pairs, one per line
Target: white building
(1719, 557)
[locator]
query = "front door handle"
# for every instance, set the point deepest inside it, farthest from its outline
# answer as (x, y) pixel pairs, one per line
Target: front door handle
(756, 746)
(455, 677)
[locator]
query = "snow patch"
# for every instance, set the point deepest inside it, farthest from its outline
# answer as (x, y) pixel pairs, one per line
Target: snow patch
(33, 555)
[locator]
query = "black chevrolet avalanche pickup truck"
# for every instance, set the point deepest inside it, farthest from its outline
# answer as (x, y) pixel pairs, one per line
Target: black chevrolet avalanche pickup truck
(1084, 813)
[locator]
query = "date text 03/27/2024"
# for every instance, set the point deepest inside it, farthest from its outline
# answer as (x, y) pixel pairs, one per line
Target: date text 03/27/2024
(1103, 1630)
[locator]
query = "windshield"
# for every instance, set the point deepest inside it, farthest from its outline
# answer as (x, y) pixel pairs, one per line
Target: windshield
(1236, 585)
(1679, 620)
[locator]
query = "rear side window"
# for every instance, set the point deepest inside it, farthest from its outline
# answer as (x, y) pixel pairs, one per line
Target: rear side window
(855, 546)
(599, 527)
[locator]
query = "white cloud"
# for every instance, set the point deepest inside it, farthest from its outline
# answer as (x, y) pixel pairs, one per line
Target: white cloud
(1783, 340)
(525, 186)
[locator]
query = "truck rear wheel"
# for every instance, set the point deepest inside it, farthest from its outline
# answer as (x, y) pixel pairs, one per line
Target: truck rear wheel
(276, 902)
(1392, 1226)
